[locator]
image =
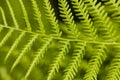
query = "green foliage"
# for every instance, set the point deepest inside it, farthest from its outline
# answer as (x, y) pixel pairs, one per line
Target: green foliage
(59, 40)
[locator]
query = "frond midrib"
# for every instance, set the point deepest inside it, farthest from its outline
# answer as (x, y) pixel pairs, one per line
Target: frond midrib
(62, 38)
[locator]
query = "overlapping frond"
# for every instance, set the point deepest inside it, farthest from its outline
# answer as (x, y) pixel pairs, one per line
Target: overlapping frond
(14, 45)
(28, 25)
(114, 68)
(69, 44)
(12, 14)
(38, 56)
(113, 7)
(72, 69)
(50, 14)
(37, 15)
(66, 14)
(82, 14)
(63, 50)
(2, 42)
(101, 19)
(95, 62)
(24, 50)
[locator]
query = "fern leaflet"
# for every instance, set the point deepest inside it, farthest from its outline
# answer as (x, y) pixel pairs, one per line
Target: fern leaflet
(95, 62)
(52, 19)
(78, 54)
(25, 16)
(37, 15)
(63, 50)
(14, 45)
(82, 14)
(68, 19)
(38, 56)
(24, 50)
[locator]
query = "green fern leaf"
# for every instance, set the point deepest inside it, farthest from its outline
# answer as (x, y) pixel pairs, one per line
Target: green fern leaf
(64, 48)
(112, 6)
(25, 15)
(78, 54)
(14, 45)
(6, 37)
(81, 35)
(101, 19)
(38, 56)
(95, 62)
(114, 69)
(82, 14)
(38, 16)
(12, 14)
(52, 18)
(24, 50)
(68, 19)
(3, 16)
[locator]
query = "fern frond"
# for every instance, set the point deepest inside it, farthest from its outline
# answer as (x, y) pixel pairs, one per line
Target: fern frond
(3, 16)
(25, 15)
(52, 18)
(10, 31)
(95, 62)
(72, 69)
(63, 50)
(7, 36)
(113, 7)
(114, 68)
(37, 15)
(38, 56)
(14, 45)
(101, 19)
(82, 14)
(61, 38)
(24, 50)
(66, 14)
(12, 14)
(97, 26)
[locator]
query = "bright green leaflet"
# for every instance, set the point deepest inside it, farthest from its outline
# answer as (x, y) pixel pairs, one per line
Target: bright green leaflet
(59, 40)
